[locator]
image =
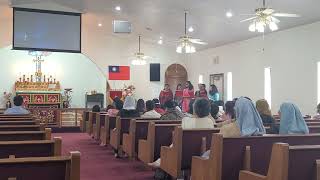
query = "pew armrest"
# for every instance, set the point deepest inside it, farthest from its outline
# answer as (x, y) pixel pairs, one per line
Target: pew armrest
(145, 153)
(199, 168)
(127, 144)
(248, 175)
(169, 161)
(103, 137)
(114, 138)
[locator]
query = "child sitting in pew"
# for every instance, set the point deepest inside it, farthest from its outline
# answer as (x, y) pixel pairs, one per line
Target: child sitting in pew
(291, 120)
(118, 104)
(17, 109)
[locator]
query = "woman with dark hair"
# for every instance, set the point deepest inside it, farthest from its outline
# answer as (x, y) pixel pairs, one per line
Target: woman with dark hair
(96, 108)
(165, 95)
(150, 112)
(141, 107)
(178, 95)
(158, 106)
(229, 113)
(202, 92)
(214, 93)
(188, 94)
(118, 106)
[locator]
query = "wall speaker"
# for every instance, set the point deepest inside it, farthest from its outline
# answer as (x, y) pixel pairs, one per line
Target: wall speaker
(121, 26)
(155, 72)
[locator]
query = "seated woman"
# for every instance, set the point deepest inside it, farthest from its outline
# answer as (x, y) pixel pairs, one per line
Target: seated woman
(248, 121)
(151, 113)
(129, 108)
(229, 113)
(200, 120)
(266, 116)
(141, 107)
(172, 113)
(17, 109)
(291, 120)
(96, 108)
(317, 116)
(158, 106)
(118, 106)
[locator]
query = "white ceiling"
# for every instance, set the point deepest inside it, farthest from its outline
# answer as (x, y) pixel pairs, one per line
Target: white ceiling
(166, 17)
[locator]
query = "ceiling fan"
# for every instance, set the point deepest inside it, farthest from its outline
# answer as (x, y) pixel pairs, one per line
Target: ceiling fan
(139, 57)
(185, 42)
(264, 17)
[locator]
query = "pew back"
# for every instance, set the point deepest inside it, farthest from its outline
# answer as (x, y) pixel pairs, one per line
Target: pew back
(25, 135)
(48, 168)
(35, 148)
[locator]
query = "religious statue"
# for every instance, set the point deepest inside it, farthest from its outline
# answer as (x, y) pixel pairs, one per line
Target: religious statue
(67, 98)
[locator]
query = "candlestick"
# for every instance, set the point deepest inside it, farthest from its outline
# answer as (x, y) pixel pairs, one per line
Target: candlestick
(31, 78)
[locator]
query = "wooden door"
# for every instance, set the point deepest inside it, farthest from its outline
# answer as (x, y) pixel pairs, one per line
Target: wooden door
(176, 74)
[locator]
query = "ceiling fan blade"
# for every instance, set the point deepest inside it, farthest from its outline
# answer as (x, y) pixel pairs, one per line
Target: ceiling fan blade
(268, 11)
(249, 19)
(276, 20)
(198, 41)
(286, 15)
(247, 14)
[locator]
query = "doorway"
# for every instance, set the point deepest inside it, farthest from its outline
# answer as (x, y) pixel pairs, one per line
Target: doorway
(176, 74)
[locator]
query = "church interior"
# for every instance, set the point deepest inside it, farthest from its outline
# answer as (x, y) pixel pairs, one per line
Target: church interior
(159, 89)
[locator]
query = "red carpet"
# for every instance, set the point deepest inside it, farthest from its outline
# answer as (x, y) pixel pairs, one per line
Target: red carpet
(98, 163)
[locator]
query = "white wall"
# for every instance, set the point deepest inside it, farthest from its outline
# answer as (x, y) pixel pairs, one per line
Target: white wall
(72, 70)
(292, 55)
(104, 49)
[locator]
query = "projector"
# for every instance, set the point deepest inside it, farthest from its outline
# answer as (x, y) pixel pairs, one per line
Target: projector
(121, 26)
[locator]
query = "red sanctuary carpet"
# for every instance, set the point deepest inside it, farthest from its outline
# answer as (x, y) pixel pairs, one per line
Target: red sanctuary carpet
(99, 163)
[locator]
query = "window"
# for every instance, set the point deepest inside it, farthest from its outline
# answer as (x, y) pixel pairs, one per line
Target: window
(267, 85)
(229, 86)
(200, 79)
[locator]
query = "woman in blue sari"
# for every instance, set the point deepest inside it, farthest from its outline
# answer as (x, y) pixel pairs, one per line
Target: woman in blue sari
(291, 120)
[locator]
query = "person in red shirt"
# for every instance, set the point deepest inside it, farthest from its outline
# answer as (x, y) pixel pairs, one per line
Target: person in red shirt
(165, 95)
(188, 94)
(158, 107)
(202, 93)
(178, 96)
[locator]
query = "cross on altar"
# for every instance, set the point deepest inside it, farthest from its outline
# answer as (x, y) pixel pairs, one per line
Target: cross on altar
(38, 62)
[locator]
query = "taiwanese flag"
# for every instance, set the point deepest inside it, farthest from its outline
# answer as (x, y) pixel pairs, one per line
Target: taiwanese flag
(119, 72)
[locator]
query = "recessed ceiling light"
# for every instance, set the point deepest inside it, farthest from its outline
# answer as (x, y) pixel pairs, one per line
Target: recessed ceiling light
(99, 24)
(190, 29)
(160, 41)
(229, 14)
(118, 8)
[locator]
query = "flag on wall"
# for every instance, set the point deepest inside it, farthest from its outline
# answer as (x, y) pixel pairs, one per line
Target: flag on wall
(119, 72)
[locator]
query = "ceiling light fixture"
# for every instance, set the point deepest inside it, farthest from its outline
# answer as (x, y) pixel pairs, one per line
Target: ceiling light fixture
(160, 40)
(118, 8)
(139, 57)
(185, 43)
(99, 24)
(266, 17)
(190, 29)
(229, 14)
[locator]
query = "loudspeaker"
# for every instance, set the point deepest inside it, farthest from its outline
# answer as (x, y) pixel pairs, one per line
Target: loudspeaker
(155, 72)
(121, 26)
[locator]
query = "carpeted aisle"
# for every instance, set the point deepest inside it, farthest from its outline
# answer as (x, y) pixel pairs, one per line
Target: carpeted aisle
(98, 163)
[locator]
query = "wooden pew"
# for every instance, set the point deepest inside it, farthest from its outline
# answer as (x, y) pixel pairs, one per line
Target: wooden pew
(44, 168)
(158, 135)
(186, 143)
(108, 124)
(25, 135)
(19, 122)
(99, 122)
(116, 134)
(139, 130)
(22, 127)
(290, 163)
(85, 121)
(34, 148)
(89, 127)
(230, 155)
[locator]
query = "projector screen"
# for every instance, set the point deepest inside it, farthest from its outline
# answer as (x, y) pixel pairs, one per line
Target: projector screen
(44, 30)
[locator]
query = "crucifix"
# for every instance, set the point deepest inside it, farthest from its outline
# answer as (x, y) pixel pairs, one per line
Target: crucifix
(38, 72)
